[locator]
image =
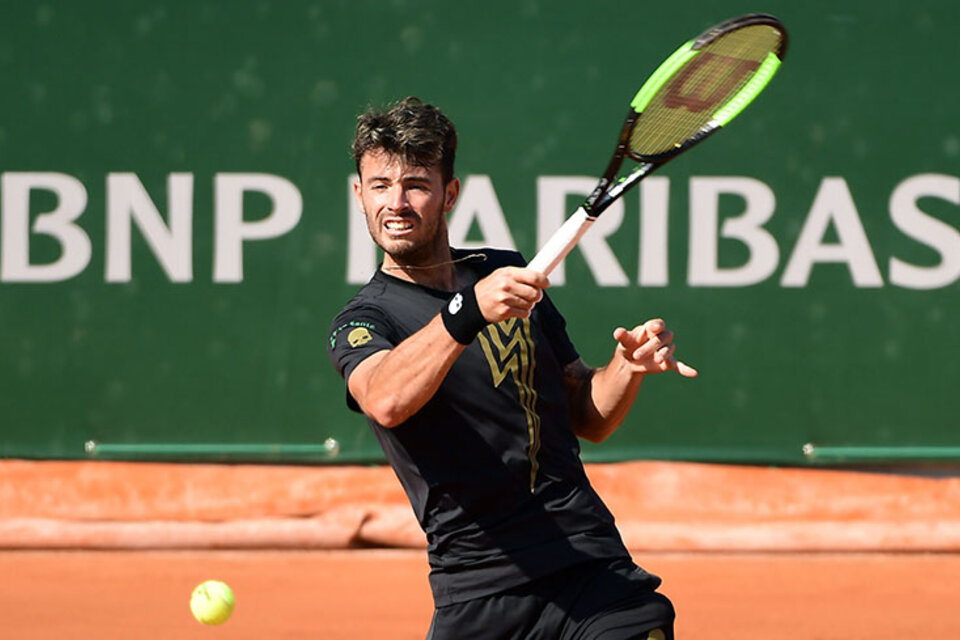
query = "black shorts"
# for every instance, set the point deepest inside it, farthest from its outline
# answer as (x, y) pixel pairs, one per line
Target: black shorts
(608, 600)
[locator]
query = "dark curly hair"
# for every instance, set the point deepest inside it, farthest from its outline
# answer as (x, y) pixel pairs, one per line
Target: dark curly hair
(418, 133)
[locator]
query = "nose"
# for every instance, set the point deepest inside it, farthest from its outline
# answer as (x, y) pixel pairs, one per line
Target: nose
(398, 200)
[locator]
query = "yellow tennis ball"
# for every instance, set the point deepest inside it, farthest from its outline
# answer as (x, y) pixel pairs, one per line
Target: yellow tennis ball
(212, 602)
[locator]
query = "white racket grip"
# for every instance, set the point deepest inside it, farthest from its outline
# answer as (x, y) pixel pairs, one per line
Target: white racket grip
(561, 242)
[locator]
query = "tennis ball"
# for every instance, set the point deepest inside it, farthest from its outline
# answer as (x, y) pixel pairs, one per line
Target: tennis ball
(212, 602)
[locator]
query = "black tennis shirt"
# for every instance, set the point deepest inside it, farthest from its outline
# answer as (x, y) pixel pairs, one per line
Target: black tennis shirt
(490, 464)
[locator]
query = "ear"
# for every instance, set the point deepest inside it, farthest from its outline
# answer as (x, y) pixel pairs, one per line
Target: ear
(357, 193)
(450, 194)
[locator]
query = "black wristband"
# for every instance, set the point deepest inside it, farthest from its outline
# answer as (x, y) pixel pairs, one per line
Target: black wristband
(462, 317)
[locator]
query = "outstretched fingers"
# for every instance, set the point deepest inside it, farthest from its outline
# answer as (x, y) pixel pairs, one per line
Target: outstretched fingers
(650, 348)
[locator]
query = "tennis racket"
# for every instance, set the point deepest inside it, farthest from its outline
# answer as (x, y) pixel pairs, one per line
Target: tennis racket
(704, 85)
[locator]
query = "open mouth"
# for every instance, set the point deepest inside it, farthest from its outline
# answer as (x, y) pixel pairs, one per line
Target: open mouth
(398, 226)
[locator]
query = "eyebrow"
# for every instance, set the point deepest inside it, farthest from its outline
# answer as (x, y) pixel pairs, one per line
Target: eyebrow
(423, 179)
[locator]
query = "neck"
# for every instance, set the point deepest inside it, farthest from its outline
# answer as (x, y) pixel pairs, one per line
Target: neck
(438, 274)
(441, 274)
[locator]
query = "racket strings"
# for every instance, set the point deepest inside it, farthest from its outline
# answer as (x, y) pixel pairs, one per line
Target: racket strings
(688, 100)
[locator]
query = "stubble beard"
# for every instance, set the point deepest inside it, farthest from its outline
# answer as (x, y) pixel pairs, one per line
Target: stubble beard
(434, 246)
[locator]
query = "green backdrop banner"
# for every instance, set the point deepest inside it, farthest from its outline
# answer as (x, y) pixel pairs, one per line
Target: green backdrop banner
(177, 229)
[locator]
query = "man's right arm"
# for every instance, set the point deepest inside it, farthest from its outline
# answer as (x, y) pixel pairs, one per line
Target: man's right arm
(393, 384)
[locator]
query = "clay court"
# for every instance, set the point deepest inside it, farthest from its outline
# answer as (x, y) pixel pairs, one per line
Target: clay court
(113, 550)
(360, 594)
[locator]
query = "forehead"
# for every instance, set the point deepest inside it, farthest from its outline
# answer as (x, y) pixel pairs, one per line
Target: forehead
(378, 163)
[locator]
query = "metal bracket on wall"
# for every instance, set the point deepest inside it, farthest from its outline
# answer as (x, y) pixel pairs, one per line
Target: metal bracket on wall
(327, 451)
(875, 454)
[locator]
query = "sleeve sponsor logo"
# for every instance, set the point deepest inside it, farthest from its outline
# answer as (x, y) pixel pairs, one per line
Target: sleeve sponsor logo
(359, 336)
(359, 333)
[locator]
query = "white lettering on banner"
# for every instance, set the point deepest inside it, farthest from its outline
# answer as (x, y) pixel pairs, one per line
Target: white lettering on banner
(703, 269)
(75, 249)
(833, 204)
(172, 244)
(127, 200)
(552, 192)
(361, 251)
(934, 233)
(232, 231)
(478, 201)
(654, 213)
(169, 235)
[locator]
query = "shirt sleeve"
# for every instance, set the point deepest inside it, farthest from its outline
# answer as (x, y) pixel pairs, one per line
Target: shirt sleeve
(356, 334)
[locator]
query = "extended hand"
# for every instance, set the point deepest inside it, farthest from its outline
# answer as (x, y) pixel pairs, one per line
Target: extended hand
(649, 347)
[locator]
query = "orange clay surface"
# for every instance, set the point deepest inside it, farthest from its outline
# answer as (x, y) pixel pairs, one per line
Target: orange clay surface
(383, 594)
(110, 551)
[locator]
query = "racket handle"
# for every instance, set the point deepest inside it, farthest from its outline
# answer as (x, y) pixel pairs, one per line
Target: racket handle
(561, 242)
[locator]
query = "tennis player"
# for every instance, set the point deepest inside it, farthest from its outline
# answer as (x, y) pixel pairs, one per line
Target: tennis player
(466, 374)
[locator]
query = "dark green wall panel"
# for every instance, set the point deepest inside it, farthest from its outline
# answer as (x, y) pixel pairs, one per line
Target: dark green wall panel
(859, 127)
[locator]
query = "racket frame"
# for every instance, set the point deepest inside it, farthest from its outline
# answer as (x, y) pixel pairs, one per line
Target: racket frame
(611, 185)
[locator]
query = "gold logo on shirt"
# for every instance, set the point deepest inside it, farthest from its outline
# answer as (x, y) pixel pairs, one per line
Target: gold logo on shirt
(508, 347)
(359, 336)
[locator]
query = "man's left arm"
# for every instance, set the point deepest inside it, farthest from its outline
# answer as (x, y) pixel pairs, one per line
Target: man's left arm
(601, 398)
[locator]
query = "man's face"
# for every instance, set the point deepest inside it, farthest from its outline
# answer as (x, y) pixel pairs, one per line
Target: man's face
(405, 207)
